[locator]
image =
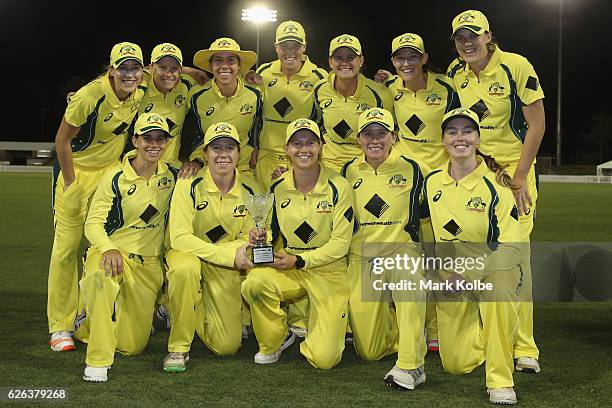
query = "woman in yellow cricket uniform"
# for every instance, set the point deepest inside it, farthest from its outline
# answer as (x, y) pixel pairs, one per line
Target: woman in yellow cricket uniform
(122, 269)
(90, 139)
(208, 219)
(313, 215)
(473, 213)
(167, 95)
(227, 98)
(386, 189)
(421, 97)
(342, 98)
(505, 92)
(288, 88)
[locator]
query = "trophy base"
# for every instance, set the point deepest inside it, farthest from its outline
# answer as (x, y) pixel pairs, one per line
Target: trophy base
(263, 255)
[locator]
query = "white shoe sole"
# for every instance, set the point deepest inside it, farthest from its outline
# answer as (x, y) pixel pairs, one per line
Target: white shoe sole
(392, 382)
(274, 357)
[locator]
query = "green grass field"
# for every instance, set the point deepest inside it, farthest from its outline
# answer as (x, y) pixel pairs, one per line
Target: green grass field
(575, 338)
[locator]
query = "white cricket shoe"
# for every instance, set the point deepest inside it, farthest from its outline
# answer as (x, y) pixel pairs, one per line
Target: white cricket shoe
(61, 341)
(406, 379)
(527, 365)
(504, 396)
(273, 357)
(96, 374)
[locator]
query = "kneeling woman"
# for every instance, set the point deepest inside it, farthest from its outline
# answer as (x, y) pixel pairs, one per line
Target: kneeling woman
(123, 270)
(472, 211)
(386, 189)
(313, 211)
(207, 219)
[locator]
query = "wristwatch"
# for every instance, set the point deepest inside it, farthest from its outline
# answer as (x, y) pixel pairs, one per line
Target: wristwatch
(299, 262)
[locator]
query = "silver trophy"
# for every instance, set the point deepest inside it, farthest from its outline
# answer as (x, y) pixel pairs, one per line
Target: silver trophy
(259, 206)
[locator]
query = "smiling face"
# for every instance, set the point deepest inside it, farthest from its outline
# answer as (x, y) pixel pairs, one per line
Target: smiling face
(460, 138)
(290, 54)
(303, 149)
(472, 48)
(126, 77)
(409, 63)
(166, 73)
(222, 155)
(345, 63)
(151, 145)
(225, 67)
(376, 141)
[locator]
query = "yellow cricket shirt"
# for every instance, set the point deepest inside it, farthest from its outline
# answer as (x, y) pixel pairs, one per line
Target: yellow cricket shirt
(285, 100)
(207, 224)
(506, 84)
(129, 213)
(317, 226)
(419, 117)
(243, 110)
(104, 121)
(172, 106)
(339, 115)
(386, 200)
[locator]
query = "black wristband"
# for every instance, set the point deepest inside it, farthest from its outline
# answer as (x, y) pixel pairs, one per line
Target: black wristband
(299, 262)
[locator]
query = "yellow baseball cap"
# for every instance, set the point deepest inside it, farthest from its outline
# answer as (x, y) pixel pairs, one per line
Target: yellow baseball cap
(166, 50)
(300, 124)
(201, 59)
(408, 40)
(473, 20)
(125, 51)
(151, 121)
(345, 40)
(461, 113)
(220, 130)
(376, 115)
(290, 31)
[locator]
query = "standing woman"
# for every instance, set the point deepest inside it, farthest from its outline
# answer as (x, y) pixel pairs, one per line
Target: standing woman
(288, 85)
(386, 190)
(342, 98)
(421, 97)
(473, 216)
(313, 214)
(227, 98)
(123, 269)
(505, 92)
(208, 219)
(90, 139)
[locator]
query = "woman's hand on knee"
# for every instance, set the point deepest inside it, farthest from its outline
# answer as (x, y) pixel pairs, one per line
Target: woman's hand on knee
(112, 262)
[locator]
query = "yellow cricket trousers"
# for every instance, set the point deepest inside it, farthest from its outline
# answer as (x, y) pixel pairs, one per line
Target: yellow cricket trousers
(525, 343)
(69, 213)
(203, 298)
(265, 288)
(383, 325)
(471, 331)
(118, 309)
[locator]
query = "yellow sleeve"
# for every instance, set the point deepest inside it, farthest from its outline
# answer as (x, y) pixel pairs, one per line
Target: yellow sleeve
(182, 237)
(342, 229)
(99, 223)
(528, 85)
(80, 106)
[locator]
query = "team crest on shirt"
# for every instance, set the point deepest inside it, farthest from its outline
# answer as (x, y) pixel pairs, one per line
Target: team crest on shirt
(433, 100)
(324, 207)
(476, 204)
(362, 107)
(398, 181)
(240, 211)
(164, 184)
(247, 109)
(179, 101)
(305, 85)
(495, 89)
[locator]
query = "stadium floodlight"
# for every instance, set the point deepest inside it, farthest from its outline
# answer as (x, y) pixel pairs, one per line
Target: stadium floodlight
(258, 16)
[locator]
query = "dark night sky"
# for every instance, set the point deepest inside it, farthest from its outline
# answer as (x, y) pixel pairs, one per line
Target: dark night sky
(52, 46)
